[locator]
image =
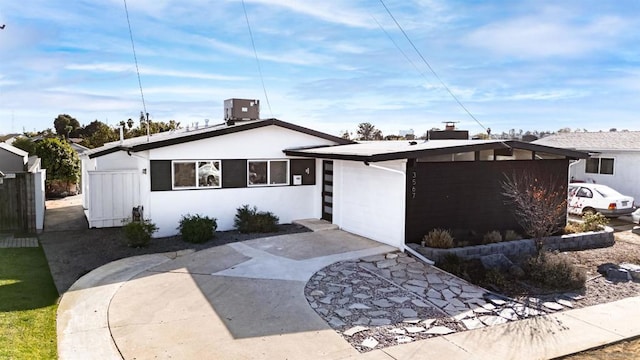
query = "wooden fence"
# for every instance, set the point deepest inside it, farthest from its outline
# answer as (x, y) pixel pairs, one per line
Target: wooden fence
(18, 203)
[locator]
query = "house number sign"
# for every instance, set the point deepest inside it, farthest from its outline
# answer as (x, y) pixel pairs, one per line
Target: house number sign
(414, 182)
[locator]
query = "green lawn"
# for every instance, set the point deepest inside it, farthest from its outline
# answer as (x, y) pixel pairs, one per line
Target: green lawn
(28, 304)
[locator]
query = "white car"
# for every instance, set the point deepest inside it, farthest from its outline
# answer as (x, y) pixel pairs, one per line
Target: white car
(636, 216)
(591, 198)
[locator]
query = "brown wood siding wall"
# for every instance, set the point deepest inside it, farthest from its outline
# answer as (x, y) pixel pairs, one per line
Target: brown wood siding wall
(17, 204)
(464, 196)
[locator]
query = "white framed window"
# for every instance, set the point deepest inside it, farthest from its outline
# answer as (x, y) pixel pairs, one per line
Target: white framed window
(599, 166)
(196, 174)
(267, 172)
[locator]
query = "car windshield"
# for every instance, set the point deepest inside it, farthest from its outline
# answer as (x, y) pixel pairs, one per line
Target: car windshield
(607, 192)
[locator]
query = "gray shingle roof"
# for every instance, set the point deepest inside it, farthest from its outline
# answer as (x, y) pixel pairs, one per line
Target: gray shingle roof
(594, 141)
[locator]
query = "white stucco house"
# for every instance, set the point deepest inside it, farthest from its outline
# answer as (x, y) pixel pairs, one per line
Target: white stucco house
(614, 158)
(390, 191)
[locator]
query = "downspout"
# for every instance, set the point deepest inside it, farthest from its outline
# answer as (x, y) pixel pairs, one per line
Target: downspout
(404, 246)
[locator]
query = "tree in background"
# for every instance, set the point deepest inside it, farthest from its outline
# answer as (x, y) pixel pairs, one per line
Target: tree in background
(65, 125)
(345, 135)
(366, 131)
(25, 144)
(98, 134)
(60, 160)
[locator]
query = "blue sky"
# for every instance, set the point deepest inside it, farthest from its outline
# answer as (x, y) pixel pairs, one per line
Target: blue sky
(328, 65)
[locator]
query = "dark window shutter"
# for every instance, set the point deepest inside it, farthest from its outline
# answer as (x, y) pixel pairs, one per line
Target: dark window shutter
(234, 173)
(304, 167)
(160, 175)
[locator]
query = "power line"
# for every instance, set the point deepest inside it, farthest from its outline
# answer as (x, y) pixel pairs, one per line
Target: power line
(430, 68)
(135, 58)
(255, 52)
(399, 48)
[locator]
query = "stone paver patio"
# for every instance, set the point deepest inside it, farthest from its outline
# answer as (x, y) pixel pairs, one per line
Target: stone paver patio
(391, 299)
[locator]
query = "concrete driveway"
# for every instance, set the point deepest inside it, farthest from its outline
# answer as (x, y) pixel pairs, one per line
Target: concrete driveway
(238, 301)
(246, 300)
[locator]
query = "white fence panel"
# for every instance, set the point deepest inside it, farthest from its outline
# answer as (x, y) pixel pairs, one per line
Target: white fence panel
(112, 196)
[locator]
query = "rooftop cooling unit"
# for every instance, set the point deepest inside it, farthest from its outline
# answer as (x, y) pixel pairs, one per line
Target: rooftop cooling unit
(241, 109)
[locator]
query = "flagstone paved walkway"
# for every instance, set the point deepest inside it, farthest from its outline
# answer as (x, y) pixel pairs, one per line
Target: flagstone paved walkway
(391, 299)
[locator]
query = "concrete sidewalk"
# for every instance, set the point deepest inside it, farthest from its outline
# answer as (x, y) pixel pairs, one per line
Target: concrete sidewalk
(246, 301)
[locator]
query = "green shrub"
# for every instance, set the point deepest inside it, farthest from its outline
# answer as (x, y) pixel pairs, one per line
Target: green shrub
(495, 277)
(438, 238)
(250, 220)
(492, 237)
(553, 271)
(511, 235)
(197, 229)
(593, 222)
(573, 228)
(138, 233)
(451, 263)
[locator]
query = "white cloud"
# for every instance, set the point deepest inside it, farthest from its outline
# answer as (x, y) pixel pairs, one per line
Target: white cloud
(540, 36)
(149, 70)
(332, 11)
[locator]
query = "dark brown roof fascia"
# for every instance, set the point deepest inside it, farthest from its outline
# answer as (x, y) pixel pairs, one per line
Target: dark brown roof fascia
(108, 151)
(410, 154)
(572, 154)
(235, 129)
(414, 154)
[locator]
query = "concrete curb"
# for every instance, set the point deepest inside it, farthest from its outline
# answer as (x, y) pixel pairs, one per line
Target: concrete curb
(83, 320)
(543, 337)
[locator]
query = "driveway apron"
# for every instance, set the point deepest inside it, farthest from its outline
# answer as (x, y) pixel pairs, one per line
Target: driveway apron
(238, 301)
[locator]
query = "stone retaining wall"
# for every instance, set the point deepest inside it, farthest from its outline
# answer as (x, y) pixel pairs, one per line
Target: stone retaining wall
(581, 241)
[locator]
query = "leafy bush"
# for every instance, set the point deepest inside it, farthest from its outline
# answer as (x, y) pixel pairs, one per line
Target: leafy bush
(572, 228)
(438, 238)
(138, 233)
(197, 229)
(593, 222)
(590, 222)
(511, 235)
(553, 271)
(492, 237)
(451, 263)
(495, 277)
(250, 220)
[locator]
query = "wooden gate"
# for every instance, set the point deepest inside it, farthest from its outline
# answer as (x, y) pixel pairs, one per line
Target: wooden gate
(112, 195)
(17, 203)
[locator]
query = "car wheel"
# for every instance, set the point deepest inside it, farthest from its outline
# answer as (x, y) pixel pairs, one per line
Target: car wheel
(211, 180)
(588, 211)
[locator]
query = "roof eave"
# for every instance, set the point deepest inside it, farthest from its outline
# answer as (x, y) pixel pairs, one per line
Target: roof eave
(569, 153)
(414, 154)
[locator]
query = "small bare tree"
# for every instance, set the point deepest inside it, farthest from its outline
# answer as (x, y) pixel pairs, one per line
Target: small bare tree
(540, 202)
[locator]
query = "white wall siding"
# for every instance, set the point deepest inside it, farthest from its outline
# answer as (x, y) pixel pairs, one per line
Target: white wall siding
(287, 202)
(266, 142)
(370, 202)
(626, 173)
(165, 208)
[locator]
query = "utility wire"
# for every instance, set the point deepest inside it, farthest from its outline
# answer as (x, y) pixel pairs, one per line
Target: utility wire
(135, 58)
(400, 49)
(255, 52)
(430, 68)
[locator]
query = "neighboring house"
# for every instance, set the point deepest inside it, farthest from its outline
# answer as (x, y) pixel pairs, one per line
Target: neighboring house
(614, 158)
(9, 138)
(22, 198)
(390, 191)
